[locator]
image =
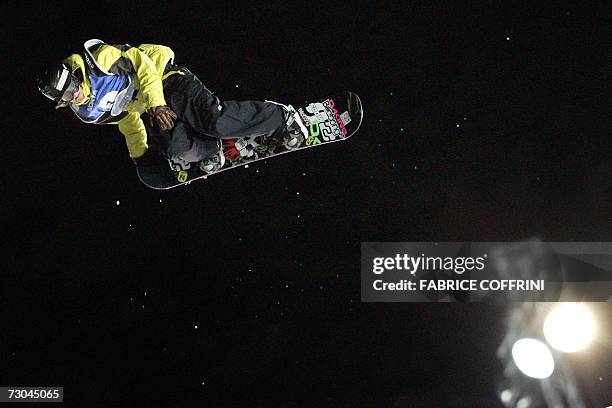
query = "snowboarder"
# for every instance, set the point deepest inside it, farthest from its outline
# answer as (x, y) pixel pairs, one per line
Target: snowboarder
(116, 84)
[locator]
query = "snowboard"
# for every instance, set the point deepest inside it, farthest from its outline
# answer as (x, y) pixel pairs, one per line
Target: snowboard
(328, 120)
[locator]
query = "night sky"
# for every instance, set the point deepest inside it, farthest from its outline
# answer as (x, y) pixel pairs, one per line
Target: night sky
(483, 122)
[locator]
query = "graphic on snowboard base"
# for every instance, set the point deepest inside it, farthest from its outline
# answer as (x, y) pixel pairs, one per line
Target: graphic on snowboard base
(328, 120)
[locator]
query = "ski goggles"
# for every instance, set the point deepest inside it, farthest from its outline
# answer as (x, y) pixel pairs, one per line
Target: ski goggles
(63, 87)
(70, 92)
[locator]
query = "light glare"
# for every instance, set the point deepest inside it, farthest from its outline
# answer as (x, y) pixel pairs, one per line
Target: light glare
(569, 327)
(533, 358)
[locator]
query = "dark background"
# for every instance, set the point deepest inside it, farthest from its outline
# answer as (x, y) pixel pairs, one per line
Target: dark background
(483, 122)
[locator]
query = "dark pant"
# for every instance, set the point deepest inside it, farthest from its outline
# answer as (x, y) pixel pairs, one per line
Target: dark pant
(202, 117)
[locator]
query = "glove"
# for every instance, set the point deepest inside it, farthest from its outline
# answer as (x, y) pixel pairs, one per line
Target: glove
(163, 116)
(152, 156)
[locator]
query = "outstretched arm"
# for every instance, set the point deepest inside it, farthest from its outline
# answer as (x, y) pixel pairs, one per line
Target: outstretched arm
(132, 127)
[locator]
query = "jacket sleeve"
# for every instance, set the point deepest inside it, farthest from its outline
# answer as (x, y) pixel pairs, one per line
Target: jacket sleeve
(132, 127)
(126, 59)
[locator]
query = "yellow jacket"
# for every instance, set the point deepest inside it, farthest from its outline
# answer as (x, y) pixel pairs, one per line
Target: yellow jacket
(147, 63)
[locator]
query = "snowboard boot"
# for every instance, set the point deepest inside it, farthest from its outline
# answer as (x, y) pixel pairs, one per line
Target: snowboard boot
(294, 133)
(178, 164)
(213, 163)
(180, 167)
